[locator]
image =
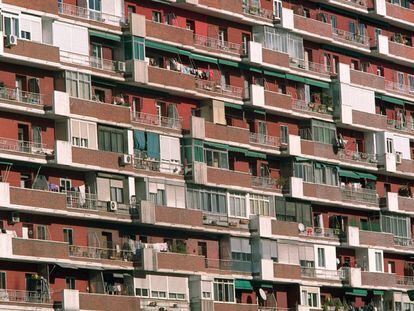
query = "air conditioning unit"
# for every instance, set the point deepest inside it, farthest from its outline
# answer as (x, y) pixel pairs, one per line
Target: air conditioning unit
(112, 206)
(125, 159)
(14, 217)
(398, 157)
(11, 40)
(120, 66)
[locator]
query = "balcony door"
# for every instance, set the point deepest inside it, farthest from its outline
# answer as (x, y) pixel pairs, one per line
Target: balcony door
(23, 137)
(96, 50)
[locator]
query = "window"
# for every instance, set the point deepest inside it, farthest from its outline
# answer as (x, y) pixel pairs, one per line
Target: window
(309, 299)
(41, 232)
(222, 35)
(37, 136)
(240, 249)
(333, 22)
(411, 83)
(158, 294)
(391, 267)
(321, 257)
(157, 196)
(68, 235)
(83, 134)
(156, 17)
(293, 211)
(397, 225)
(260, 205)
(141, 292)
(2, 280)
(111, 139)
(70, 282)
(304, 171)
(284, 134)
(78, 84)
(378, 261)
(208, 200)
(323, 132)
(237, 205)
(223, 290)
(117, 194)
(216, 158)
(176, 296)
(95, 5)
(134, 48)
(190, 25)
(390, 145)
(245, 43)
(11, 25)
(65, 184)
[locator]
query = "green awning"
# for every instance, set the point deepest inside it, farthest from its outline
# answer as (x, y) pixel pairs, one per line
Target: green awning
(228, 63)
(234, 106)
(391, 100)
(265, 285)
(104, 35)
(357, 292)
(255, 69)
(243, 284)
(254, 154)
(321, 84)
(236, 149)
(161, 46)
(259, 111)
(378, 292)
(203, 58)
(301, 159)
(349, 174)
(367, 176)
(318, 165)
(274, 73)
(198, 142)
(295, 78)
(184, 52)
(216, 145)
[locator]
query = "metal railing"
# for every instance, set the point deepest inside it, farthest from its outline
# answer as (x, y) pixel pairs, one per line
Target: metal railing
(218, 88)
(142, 163)
(399, 88)
(85, 13)
(23, 296)
(405, 280)
(28, 147)
(215, 219)
(21, 96)
(257, 11)
(401, 125)
(360, 195)
(350, 37)
(155, 120)
(266, 182)
(318, 232)
(153, 304)
(88, 61)
(309, 66)
(403, 241)
(229, 265)
(217, 44)
(363, 157)
(310, 272)
(263, 139)
(100, 253)
(300, 104)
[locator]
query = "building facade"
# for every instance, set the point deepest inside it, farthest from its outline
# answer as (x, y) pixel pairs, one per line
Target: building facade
(206, 155)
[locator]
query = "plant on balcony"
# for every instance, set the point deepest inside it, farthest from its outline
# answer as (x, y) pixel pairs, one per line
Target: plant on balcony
(404, 191)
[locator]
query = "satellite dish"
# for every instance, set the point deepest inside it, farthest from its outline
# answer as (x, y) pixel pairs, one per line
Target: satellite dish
(262, 294)
(301, 227)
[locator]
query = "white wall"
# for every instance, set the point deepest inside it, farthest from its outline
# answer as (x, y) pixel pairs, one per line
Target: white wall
(32, 24)
(112, 7)
(330, 257)
(402, 145)
(357, 98)
(71, 38)
(371, 259)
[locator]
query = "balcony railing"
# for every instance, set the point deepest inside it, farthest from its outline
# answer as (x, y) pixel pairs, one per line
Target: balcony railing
(260, 12)
(399, 88)
(310, 272)
(401, 125)
(266, 182)
(28, 147)
(405, 280)
(229, 265)
(302, 105)
(155, 120)
(88, 61)
(216, 44)
(100, 253)
(23, 296)
(85, 13)
(266, 140)
(349, 37)
(360, 195)
(309, 66)
(219, 88)
(318, 232)
(402, 241)
(21, 96)
(142, 163)
(363, 157)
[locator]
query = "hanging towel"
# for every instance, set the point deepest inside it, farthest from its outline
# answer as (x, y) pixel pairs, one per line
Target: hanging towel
(82, 195)
(139, 140)
(153, 145)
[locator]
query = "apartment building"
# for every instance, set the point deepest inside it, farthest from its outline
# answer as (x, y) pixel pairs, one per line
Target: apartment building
(253, 155)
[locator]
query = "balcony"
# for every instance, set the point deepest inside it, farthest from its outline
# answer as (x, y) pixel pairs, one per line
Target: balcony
(28, 148)
(321, 191)
(376, 239)
(35, 50)
(325, 275)
(37, 198)
(399, 13)
(234, 6)
(367, 79)
(217, 46)
(226, 133)
(316, 109)
(288, 228)
(405, 281)
(98, 253)
(21, 99)
(360, 4)
(259, 13)
(25, 299)
(228, 266)
(48, 6)
(39, 248)
(163, 304)
(362, 195)
(278, 100)
(89, 301)
(156, 121)
(369, 119)
(100, 111)
(406, 204)
(313, 26)
(317, 149)
(400, 126)
(90, 15)
(216, 88)
(171, 79)
(141, 163)
(311, 67)
(265, 140)
(286, 271)
(97, 64)
(225, 177)
(401, 50)
(98, 158)
(225, 306)
(351, 38)
(402, 89)
(374, 279)
(406, 166)
(267, 183)
(275, 57)
(178, 216)
(356, 157)
(169, 33)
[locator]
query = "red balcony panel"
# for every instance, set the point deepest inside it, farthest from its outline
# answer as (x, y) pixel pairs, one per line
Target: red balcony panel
(179, 216)
(105, 159)
(234, 6)
(37, 198)
(34, 50)
(171, 78)
(286, 271)
(399, 12)
(322, 192)
(275, 58)
(101, 111)
(313, 26)
(376, 238)
(406, 204)
(367, 79)
(401, 50)
(278, 100)
(378, 279)
(219, 306)
(369, 119)
(48, 6)
(176, 261)
(227, 177)
(285, 228)
(169, 33)
(40, 248)
(227, 133)
(406, 166)
(108, 302)
(318, 149)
